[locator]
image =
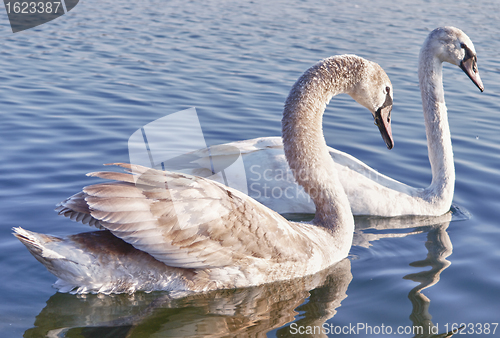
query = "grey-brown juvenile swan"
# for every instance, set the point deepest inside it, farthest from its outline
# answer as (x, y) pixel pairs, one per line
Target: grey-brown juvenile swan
(171, 231)
(369, 192)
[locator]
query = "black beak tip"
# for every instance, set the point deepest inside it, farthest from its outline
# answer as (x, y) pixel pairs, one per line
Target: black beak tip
(389, 142)
(385, 132)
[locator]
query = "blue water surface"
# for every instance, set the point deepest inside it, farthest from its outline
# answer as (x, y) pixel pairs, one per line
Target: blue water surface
(72, 91)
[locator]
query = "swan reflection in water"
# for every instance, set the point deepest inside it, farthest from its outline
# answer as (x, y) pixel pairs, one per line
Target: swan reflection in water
(439, 247)
(309, 301)
(246, 312)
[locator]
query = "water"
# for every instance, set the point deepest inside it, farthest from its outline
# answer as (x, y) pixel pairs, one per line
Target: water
(72, 91)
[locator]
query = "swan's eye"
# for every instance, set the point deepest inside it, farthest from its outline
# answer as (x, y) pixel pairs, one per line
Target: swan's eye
(387, 89)
(462, 45)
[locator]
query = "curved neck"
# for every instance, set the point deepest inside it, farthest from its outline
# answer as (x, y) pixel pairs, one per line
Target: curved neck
(305, 146)
(437, 127)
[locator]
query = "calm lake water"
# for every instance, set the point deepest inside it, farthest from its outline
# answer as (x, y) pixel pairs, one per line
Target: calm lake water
(72, 92)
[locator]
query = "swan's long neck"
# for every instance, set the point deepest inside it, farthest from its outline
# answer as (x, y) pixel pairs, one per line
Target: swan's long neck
(305, 146)
(437, 129)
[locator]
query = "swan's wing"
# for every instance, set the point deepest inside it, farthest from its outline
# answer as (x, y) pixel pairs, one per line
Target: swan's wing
(344, 161)
(187, 221)
(242, 147)
(227, 153)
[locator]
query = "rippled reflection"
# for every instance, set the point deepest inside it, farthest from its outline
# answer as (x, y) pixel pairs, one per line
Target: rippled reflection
(438, 245)
(241, 312)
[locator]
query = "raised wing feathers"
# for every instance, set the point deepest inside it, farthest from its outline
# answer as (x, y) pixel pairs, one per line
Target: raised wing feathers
(188, 221)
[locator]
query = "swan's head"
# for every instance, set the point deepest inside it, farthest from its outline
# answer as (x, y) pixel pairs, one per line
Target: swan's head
(450, 44)
(374, 91)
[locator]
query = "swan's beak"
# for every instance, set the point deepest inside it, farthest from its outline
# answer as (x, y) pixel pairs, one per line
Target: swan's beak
(469, 66)
(383, 122)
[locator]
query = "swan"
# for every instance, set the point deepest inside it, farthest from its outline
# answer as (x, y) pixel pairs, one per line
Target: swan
(197, 234)
(369, 192)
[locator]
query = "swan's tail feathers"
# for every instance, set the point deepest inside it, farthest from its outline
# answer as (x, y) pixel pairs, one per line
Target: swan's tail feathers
(99, 262)
(61, 257)
(37, 244)
(47, 250)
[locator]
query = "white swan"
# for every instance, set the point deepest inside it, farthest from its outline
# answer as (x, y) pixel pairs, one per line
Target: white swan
(197, 234)
(369, 192)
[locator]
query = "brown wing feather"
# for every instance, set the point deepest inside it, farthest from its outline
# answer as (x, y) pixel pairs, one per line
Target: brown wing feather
(188, 221)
